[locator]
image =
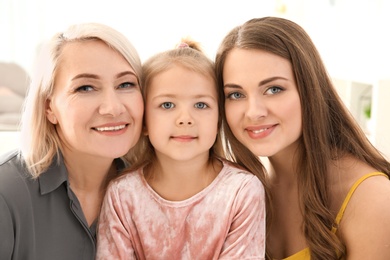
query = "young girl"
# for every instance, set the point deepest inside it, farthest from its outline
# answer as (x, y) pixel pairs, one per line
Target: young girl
(330, 191)
(182, 201)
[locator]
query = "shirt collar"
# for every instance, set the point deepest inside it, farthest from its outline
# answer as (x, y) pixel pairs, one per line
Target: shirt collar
(57, 174)
(54, 176)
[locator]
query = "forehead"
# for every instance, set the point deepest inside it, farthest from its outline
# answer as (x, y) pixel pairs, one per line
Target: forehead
(244, 64)
(88, 50)
(181, 81)
(91, 56)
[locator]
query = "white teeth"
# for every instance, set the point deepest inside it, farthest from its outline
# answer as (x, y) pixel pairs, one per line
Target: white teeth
(111, 128)
(259, 131)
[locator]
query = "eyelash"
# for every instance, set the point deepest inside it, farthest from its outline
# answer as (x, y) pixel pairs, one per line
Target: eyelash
(83, 88)
(232, 95)
(279, 89)
(204, 105)
(163, 105)
(125, 85)
(237, 95)
(129, 84)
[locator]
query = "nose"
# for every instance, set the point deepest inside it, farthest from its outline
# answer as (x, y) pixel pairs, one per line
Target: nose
(256, 109)
(185, 118)
(111, 104)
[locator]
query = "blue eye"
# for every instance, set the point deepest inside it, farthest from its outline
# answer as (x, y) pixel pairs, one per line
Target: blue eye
(234, 95)
(167, 105)
(273, 90)
(85, 88)
(126, 85)
(201, 105)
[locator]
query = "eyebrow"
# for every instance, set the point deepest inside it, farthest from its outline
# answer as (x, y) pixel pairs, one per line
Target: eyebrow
(94, 76)
(175, 96)
(263, 82)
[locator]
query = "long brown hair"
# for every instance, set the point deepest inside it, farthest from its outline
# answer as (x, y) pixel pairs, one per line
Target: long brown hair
(328, 129)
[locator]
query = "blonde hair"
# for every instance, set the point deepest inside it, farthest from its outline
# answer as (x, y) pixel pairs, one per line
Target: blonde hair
(189, 55)
(40, 141)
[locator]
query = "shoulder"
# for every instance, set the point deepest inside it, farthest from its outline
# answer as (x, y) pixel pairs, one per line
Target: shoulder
(234, 170)
(241, 178)
(128, 179)
(365, 226)
(12, 169)
(15, 183)
(9, 157)
(372, 193)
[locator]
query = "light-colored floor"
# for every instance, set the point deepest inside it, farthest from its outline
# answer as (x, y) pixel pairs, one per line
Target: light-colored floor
(8, 140)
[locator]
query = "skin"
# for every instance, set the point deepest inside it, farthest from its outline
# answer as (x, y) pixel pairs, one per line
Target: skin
(181, 113)
(266, 117)
(264, 109)
(97, 109)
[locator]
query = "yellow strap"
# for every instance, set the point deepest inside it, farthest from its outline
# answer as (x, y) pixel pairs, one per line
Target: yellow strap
(349, 195)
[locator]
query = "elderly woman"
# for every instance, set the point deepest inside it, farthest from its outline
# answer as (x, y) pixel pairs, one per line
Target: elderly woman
(83, 114)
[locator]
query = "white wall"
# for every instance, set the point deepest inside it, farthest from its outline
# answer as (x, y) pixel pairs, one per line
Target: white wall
(351, 35)
(151, 25)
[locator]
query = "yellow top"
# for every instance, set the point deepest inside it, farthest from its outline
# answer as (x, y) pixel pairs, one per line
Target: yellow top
(301, 255)
(305, 253)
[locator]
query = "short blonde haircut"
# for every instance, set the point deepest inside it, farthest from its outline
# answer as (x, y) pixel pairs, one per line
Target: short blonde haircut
(40, 141)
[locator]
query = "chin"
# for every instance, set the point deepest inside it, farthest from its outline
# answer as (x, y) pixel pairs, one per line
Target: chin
(113, 153)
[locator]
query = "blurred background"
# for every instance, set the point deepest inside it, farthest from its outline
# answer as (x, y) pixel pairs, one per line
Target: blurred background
(351, 35)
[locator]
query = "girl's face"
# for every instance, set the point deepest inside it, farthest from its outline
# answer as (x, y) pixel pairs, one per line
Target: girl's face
(181, 114)
(96, 105)
(262, 103)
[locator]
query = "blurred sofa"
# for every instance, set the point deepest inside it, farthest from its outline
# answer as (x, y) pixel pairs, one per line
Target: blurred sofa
(14, 81)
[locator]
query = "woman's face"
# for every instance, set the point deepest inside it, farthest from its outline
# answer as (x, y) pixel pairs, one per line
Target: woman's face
(262, 103)
(96, 105)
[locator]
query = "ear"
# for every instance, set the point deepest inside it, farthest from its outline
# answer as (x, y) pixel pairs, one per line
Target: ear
(50, 113)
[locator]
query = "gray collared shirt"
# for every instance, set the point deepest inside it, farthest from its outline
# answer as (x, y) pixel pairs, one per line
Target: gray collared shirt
(41, 219)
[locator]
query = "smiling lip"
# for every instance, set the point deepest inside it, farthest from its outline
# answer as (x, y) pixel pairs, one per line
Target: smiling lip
(111, 129)
(183, 138)
(257, 132)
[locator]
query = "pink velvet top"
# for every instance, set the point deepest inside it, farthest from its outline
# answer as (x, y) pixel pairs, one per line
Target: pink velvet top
(226, 220)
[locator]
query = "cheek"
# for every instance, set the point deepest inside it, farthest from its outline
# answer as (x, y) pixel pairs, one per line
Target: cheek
(136, 106)
(232, 115)
(293, 113)
(152, 121)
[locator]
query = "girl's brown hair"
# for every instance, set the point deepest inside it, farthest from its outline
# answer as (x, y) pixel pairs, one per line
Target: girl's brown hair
(328, 129)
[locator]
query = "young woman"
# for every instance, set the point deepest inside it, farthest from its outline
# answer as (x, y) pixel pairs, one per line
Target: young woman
(330, 191)
(182, 201)
(83, 112)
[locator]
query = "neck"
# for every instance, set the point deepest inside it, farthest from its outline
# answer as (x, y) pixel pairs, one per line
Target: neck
(282, 171)
(166, 167)
(176, 181)
(87, 178)
(88, 173)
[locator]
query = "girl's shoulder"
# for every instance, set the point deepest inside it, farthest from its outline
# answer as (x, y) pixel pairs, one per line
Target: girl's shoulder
(127, 179)
(236, 175)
